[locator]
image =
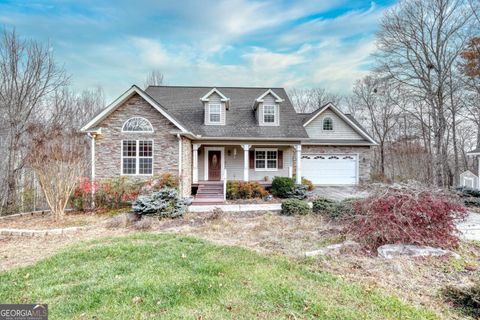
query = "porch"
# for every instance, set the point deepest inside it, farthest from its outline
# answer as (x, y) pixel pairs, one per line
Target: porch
(213, 164)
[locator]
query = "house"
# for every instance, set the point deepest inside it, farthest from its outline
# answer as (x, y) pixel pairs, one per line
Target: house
(467, 177)
(209, 135)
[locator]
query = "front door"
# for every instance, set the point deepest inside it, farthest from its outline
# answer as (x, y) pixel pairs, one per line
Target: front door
(214, 165)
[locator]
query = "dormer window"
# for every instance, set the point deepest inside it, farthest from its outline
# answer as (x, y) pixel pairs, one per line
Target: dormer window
(269, 113)
(214, 110)
(215, 105)
(327, 124)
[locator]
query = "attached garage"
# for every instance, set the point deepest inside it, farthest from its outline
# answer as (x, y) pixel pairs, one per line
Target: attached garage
(330, 169)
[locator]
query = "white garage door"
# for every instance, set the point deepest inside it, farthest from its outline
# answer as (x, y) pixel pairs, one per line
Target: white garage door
(330, 169)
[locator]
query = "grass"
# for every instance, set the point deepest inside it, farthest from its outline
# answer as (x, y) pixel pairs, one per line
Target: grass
(147, 276)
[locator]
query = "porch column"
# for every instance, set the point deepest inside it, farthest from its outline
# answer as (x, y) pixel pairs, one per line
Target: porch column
(298, 178)
(195, 162)
(246, 161)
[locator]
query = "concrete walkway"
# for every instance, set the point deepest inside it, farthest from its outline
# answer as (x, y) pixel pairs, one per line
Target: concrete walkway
(470, 228)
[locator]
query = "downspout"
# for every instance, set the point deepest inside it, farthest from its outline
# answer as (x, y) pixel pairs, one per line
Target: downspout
(180, 163)
(92, 178)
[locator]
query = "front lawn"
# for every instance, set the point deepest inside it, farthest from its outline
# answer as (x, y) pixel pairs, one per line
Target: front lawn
(165, 276)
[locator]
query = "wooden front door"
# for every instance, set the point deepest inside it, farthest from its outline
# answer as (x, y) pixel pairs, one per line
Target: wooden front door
(214, 165)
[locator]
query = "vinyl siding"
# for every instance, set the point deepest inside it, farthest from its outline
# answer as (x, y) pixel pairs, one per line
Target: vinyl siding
(341, 129)
(215, 99)
(269, 100)
(234, 164)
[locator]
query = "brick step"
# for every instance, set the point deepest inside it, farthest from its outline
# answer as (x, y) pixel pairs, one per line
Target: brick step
(208, 201)
(209, 190)
(212, 195)
(210, 187)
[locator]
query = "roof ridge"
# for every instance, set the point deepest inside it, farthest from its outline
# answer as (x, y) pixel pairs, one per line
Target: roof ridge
(229, 87)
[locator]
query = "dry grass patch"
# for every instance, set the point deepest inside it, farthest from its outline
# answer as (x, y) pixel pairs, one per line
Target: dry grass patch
(46, 221)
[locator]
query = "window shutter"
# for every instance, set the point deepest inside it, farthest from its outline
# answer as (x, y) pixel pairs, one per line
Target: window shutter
(251, 157)
(280, 159)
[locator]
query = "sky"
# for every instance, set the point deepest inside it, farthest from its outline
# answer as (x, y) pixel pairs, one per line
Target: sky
(267, 43)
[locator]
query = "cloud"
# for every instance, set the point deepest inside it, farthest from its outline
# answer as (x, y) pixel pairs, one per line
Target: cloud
(299, 43)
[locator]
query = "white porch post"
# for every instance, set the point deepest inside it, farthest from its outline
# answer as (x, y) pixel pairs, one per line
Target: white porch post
(195, 162)
(298, 178)
(246, 161)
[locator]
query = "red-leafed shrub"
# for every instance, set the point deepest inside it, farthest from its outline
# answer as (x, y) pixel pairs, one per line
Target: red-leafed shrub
(245, 190)
(407, 214)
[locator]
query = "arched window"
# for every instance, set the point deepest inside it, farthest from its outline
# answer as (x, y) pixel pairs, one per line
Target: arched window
(328, 124)
(137, 124)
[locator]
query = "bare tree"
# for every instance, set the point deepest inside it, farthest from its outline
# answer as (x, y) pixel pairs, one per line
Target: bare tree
(28, 74)
(419, 44)
(154, 78)
(55, 154)
(375, 96)
(308, 100)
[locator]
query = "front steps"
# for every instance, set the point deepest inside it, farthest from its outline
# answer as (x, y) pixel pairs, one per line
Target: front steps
(209, 193)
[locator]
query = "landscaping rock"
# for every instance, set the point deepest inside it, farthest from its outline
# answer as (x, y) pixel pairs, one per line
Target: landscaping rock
(334, 249)
(390, 251)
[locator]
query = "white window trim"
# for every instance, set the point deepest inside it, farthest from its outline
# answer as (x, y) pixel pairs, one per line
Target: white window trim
(219, 114)
(333, 124)
(255, 159)
(274, 114)
(137, 157)
(149, 131)
(222, 161)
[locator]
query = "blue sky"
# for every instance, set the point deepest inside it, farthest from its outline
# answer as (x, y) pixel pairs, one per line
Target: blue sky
(114, 44)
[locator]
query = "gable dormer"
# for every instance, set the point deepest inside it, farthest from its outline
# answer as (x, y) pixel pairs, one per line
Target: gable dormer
(268, 108)
(215, 106)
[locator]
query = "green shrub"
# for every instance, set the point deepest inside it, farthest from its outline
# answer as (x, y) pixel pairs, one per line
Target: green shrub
(323, 205)
(299, 192)
(292, 207)
(245, 190)
(344, 208)
(334, 209)
(164, 203)
(467, 300)
(281, 186)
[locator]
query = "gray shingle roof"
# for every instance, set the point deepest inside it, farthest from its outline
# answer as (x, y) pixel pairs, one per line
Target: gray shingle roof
(184, 104)
(336, 142)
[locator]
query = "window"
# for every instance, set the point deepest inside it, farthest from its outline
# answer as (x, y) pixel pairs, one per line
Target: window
(266, 159)
(269, 114)
(137, 157)
(328, 124)
(137, 124)
(214, 112)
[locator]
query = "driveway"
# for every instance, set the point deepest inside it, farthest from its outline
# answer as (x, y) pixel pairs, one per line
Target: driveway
(338, 193)
(471, 227)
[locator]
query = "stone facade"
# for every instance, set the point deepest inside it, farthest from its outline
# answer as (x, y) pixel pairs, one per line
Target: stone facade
(186, 173)
(108, 144)
(365, 156)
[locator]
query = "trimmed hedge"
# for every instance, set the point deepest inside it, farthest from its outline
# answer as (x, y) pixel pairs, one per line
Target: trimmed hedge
(292, 207)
